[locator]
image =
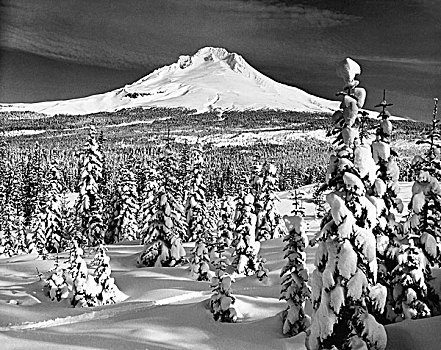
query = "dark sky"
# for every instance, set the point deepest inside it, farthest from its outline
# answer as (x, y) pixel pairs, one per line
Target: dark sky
(65, 49)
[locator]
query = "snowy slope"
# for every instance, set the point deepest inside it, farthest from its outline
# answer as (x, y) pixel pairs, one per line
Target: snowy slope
(212, 78)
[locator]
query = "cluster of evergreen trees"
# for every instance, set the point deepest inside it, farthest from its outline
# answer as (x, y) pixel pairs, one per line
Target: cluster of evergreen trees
(373, 258)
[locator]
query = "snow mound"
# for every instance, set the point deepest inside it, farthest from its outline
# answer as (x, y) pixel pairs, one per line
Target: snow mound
(211, 79)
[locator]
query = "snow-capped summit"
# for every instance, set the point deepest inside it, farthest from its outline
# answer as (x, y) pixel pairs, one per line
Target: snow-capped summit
(211, 79)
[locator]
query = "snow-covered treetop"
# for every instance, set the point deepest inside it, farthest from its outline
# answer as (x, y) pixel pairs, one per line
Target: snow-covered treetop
(347, 70)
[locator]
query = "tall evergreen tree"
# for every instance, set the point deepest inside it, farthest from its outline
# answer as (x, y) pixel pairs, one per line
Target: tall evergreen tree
(89, 206)
(344, 282)
(167, 225)
(294, 274)
(196, 209)
(48, 225)
(33, 184)
(421, 249)
(148, 201)
(123, 224)
(246, 246)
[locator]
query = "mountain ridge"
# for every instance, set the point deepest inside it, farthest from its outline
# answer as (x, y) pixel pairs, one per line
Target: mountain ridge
(212, 79)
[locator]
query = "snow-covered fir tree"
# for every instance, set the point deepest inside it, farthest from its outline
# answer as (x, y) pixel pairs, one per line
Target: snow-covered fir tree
(37, 240)
(383, 193)
(48, 225)
(14, 239)
(225, 225)
(79, 276)
(294, 274)
(431, 160)
(167, 225)
(33, 184)
(57, 283)
(123, 224)
(343, 283)
(107, 290)
(196, 209)
(148, 202)
(246, 248)
(421, 246)
(269, 220)
(200, 260)
(222, 300)
(89, 205)
(200, 228)
(183, 171)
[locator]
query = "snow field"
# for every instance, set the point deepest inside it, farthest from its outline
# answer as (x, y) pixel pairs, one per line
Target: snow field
(166, 308)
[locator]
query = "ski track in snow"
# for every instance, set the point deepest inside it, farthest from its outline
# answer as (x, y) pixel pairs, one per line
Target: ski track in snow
(112, 311)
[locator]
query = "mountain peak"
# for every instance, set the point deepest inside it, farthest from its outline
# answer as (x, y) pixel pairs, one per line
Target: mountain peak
(213, 54)
(210, 79)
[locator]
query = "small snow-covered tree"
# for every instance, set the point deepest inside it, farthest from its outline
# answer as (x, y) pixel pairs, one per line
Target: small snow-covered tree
(89, 205)
(269, 220)
(294, 274)
(123, 223)
(107, 290)
(225, 226)
(79, 277)
(200, 260)
(166, 226)
(343, 284)
(246, 247)
(222, 300)
(57, 284)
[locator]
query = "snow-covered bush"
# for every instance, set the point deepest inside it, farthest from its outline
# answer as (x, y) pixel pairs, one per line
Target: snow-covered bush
(294, 274)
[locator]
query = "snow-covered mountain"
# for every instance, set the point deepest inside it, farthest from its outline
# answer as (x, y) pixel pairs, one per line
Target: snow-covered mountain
(213, 78)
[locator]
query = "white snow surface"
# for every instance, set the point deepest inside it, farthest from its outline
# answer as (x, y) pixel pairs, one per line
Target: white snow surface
(211, 79)
(167, 309)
